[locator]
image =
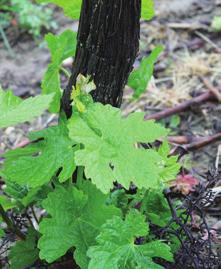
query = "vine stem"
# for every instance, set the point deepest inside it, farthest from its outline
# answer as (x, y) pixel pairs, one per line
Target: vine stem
(10, 224)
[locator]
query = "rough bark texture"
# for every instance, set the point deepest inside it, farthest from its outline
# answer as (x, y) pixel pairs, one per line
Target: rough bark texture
(108, 42)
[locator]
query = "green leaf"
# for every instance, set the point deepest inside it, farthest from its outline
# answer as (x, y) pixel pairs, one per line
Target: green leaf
(37, 163)
(139, 78)
(171, 165)
(15, 191)
(71, 8)
(31, 17)
(61, 48)
(110, 152)
(51, 84)
(80, 93)
(36, 195)
(23, 196)
(95, 214)
(147, 9)
(156, 208)
(24, 253)
(77, 219)
(6, 203)
(58, 232)
(116, 247)
(175, 121)
(13, 110)
(120, 199)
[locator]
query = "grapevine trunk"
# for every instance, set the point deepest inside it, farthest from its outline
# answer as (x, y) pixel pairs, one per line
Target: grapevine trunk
(108, 42)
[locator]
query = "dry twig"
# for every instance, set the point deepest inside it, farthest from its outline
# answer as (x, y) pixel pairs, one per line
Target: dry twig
(204, 97)
(195, 144)
(211, 88)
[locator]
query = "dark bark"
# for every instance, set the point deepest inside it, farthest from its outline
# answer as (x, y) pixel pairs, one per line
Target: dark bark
(108, 42)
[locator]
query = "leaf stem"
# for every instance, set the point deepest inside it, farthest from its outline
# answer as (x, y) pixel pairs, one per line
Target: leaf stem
(10, 224)
(65, 71)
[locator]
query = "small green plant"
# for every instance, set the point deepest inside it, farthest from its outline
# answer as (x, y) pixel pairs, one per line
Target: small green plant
(5, 14)
(81, 173)
(140, 78)
(30, 17)
(93, 144)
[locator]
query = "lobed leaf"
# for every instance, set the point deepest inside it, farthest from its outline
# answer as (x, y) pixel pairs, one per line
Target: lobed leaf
(37, 163)
(110, 153)
(58, 231)
(14, 110)
(116, 246)
(24, 253)
(76, 216)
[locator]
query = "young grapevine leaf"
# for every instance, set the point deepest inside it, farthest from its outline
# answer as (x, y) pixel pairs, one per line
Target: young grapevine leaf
(80, 93)
(58, 231)
(94, 215)
(110, 153)
(24, 253)
(61, 48)
(116, 247)
(139, 78)
(37, 163)
(71, 8)
(156, 208)
(14, 110)
(77, 219)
